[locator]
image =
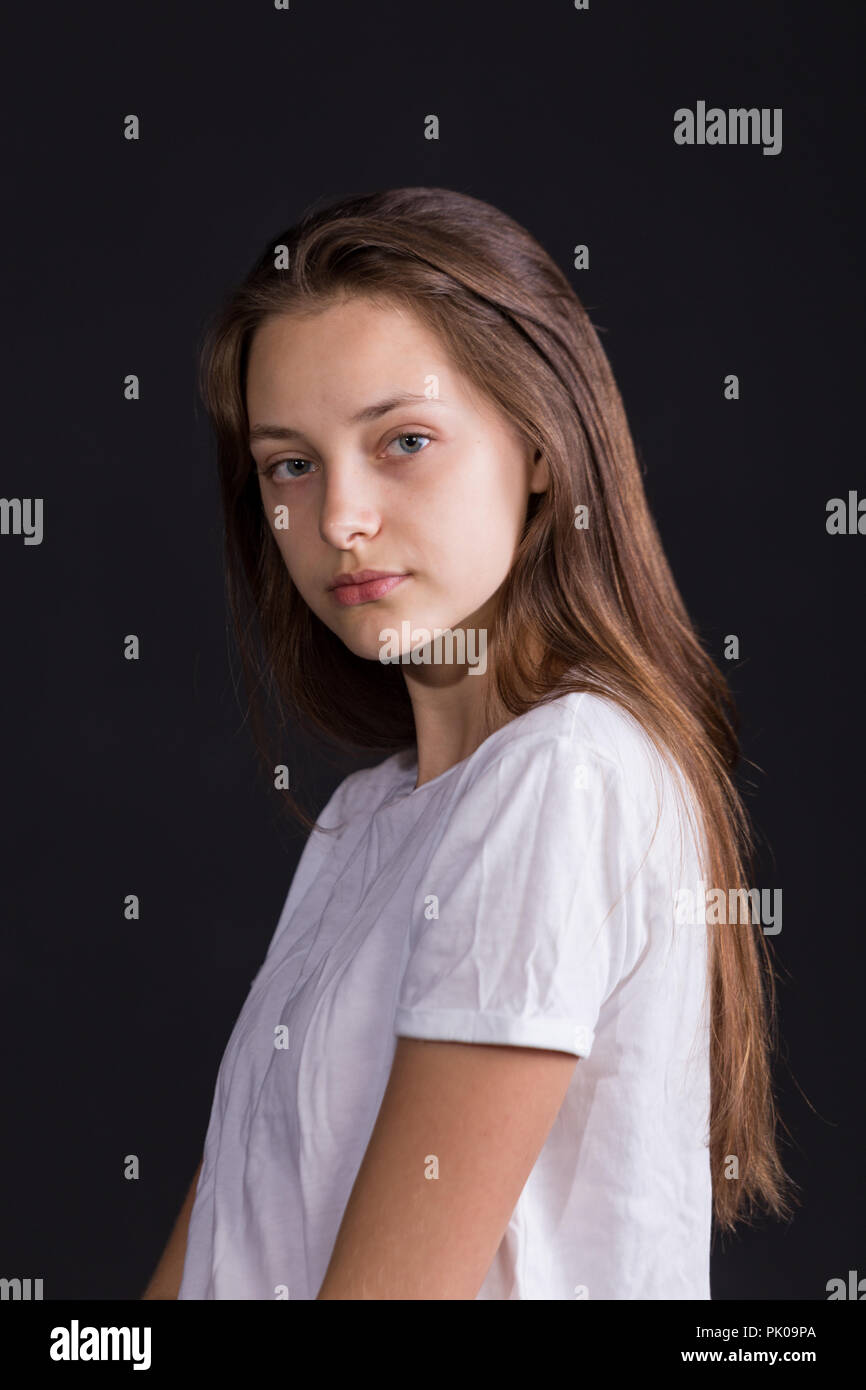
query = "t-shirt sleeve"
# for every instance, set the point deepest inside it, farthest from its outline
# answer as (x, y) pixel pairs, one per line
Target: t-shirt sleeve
(522, 925)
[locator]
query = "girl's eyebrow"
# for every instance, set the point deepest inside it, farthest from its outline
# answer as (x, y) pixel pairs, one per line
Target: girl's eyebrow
(369, 412)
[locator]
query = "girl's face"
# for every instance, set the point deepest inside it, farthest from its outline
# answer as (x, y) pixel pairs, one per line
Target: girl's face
(433, 487)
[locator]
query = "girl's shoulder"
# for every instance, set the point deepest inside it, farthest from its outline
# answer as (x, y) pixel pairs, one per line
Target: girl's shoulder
(583, 723)
(576, 730)
(586, 752)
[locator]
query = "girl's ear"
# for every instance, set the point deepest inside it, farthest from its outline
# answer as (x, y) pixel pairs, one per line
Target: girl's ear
(540, 477)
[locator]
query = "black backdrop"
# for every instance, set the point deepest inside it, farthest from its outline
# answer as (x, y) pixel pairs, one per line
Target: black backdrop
(139, 777)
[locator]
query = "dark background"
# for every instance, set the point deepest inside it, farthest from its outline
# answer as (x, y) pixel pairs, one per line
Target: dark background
(139, 777)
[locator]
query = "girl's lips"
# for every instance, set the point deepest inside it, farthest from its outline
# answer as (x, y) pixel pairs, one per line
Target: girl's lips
(350, 594)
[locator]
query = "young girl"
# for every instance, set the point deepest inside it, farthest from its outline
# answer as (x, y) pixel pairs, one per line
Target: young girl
(486, 1056)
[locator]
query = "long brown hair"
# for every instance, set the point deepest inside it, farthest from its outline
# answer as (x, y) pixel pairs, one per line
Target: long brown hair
(604, 611)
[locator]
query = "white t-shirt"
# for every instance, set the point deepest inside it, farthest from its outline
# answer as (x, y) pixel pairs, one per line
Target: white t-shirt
(520, 898)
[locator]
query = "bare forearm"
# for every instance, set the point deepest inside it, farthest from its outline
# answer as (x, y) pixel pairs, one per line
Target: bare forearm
(166, 1280)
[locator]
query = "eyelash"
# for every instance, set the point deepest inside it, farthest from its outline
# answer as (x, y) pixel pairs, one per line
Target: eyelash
(403, 434)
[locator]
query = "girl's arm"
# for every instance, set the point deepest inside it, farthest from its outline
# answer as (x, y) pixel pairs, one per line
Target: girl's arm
(167, 1276)
(459, 1130)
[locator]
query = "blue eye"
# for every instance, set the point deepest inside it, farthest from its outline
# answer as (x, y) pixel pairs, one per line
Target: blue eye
(406, 434)
(411, 435)
(269, 472)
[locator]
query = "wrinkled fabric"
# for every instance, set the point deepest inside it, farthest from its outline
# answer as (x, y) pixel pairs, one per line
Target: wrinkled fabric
(524, 897)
